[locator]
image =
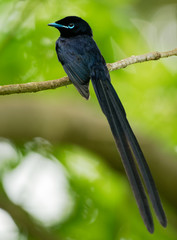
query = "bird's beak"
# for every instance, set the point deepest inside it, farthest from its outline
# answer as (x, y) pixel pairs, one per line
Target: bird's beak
(56, 25)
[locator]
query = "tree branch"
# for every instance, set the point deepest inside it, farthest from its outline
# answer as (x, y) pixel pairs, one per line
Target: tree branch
(140, 58)
(52, 84)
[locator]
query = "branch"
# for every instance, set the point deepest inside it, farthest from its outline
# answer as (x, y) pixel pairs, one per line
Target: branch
(140, 58)
(52, 84)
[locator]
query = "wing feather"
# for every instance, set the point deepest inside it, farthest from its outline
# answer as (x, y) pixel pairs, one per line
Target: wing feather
(75, 66)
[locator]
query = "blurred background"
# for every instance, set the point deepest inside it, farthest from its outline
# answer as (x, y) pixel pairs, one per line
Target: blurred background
(61, 177)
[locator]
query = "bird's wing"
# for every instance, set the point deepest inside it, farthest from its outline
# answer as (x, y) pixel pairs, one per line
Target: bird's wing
(76, 69)
(76, 75)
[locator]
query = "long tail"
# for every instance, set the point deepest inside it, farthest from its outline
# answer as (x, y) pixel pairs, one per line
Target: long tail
(126, 141)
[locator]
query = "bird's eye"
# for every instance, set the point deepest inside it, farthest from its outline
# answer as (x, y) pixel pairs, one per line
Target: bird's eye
(71, 25)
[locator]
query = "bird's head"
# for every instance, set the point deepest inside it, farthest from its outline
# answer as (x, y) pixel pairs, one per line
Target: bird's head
(72, 26)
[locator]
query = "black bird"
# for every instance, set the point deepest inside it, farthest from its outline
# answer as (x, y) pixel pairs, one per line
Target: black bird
(82, 61)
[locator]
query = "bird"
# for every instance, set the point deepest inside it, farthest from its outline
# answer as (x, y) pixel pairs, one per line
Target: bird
(83, 62)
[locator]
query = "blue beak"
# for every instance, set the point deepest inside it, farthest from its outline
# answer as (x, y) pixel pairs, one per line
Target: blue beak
(56, 25)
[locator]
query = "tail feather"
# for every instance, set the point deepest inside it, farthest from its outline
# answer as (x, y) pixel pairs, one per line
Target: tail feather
(102, 90)
(142, 164)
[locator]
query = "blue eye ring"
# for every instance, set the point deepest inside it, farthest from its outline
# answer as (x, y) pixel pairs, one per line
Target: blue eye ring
(71, 25)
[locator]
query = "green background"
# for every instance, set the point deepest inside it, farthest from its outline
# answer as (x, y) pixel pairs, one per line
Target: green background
(59, 124)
